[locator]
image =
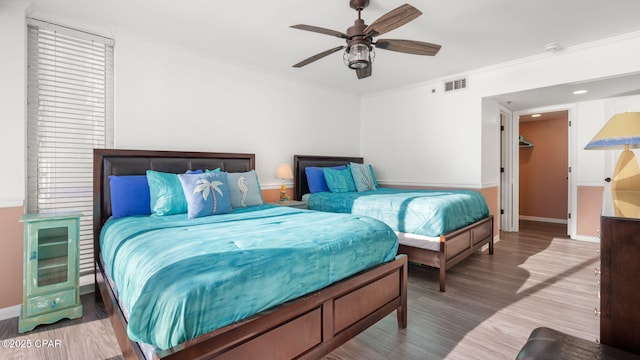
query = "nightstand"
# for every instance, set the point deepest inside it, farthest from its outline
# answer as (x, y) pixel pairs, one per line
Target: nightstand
(290, 203)
(50, 286)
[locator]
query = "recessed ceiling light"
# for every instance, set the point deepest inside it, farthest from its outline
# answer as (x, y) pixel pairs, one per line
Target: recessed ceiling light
(578, 92)
(536, 115)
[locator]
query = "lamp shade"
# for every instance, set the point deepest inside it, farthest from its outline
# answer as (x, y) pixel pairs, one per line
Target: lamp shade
(622, 129)
(284, 172)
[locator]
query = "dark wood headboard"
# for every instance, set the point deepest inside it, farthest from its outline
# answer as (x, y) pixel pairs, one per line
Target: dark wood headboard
(136, 162)
(300, 162)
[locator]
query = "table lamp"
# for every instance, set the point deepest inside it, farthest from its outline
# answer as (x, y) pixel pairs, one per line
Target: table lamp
(283, 171)
(622, 131)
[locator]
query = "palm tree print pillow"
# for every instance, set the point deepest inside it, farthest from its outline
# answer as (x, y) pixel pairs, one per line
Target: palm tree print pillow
(207, 194)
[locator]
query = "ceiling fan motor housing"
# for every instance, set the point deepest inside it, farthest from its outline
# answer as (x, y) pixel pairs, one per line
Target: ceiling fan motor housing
(356, 34)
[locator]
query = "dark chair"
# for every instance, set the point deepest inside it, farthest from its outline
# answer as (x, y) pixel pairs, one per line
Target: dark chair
(549, 344)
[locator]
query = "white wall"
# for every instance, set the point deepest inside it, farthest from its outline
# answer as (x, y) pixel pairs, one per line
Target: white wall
(418, 137)
(452, 138)
(490, 143)
(12, 104)
(172, 98)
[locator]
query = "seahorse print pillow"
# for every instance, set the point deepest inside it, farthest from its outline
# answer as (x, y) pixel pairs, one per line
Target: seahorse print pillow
(206, 194)
(244, 189)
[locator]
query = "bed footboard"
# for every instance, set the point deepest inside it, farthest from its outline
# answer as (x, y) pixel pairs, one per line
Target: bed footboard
(454, 247)
(312, 325)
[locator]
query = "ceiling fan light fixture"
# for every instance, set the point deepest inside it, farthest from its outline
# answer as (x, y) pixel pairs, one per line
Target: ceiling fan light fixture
(358, 56)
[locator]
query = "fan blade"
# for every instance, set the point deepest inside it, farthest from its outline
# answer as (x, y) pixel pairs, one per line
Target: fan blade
(363, 73)
(408, 46)
(320, 30)
(392, 20)
(317, 56)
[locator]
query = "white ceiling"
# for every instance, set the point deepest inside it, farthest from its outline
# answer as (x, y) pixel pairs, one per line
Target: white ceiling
(563, 94)
(256, 33)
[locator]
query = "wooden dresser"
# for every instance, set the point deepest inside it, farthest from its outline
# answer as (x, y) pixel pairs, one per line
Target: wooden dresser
(620, 271)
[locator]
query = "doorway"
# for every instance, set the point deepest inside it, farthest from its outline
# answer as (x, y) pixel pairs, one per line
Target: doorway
(543, 167)
(542, 189)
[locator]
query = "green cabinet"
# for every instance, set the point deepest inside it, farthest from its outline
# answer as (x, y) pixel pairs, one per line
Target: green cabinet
(50, 288)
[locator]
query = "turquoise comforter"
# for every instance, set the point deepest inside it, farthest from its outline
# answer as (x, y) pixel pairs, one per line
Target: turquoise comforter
(181, 278)
(421, 212)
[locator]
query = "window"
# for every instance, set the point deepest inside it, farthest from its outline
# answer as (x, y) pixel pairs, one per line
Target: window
(69, 113)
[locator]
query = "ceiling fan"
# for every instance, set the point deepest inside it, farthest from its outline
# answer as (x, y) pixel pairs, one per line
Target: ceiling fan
(359, 53)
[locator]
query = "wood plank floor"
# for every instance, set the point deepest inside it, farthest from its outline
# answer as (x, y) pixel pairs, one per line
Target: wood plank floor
(537, 277)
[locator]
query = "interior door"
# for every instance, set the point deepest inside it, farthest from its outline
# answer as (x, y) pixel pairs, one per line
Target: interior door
(503, 172)
(570, 221)
(506, 179)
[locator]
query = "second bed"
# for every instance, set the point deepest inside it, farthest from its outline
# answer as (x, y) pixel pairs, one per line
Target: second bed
(437, 228)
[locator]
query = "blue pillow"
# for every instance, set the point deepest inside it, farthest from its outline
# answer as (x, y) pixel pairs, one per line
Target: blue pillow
(244, 189)
(129, 195)
(316, 180)
(362, 176)
(206, 194)
(339, 180)
(166, 194)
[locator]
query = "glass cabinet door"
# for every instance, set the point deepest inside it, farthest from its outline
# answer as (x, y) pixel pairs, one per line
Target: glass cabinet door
(49, 255)
(52, 265)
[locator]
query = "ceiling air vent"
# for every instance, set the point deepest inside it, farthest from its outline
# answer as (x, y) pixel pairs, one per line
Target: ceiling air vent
(456, 84)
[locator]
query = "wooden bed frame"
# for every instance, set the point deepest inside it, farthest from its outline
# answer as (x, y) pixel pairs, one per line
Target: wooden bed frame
(305, 328)
(454, 246)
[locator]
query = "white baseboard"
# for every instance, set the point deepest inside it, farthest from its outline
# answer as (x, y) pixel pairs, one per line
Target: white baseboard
(542, 219)
(10, 312)
(593, 239)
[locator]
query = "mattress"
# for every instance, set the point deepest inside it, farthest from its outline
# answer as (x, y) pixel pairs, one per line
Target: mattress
(421, 212)
(181, 278)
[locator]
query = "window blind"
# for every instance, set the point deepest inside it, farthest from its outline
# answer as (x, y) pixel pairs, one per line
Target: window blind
(69, 113)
